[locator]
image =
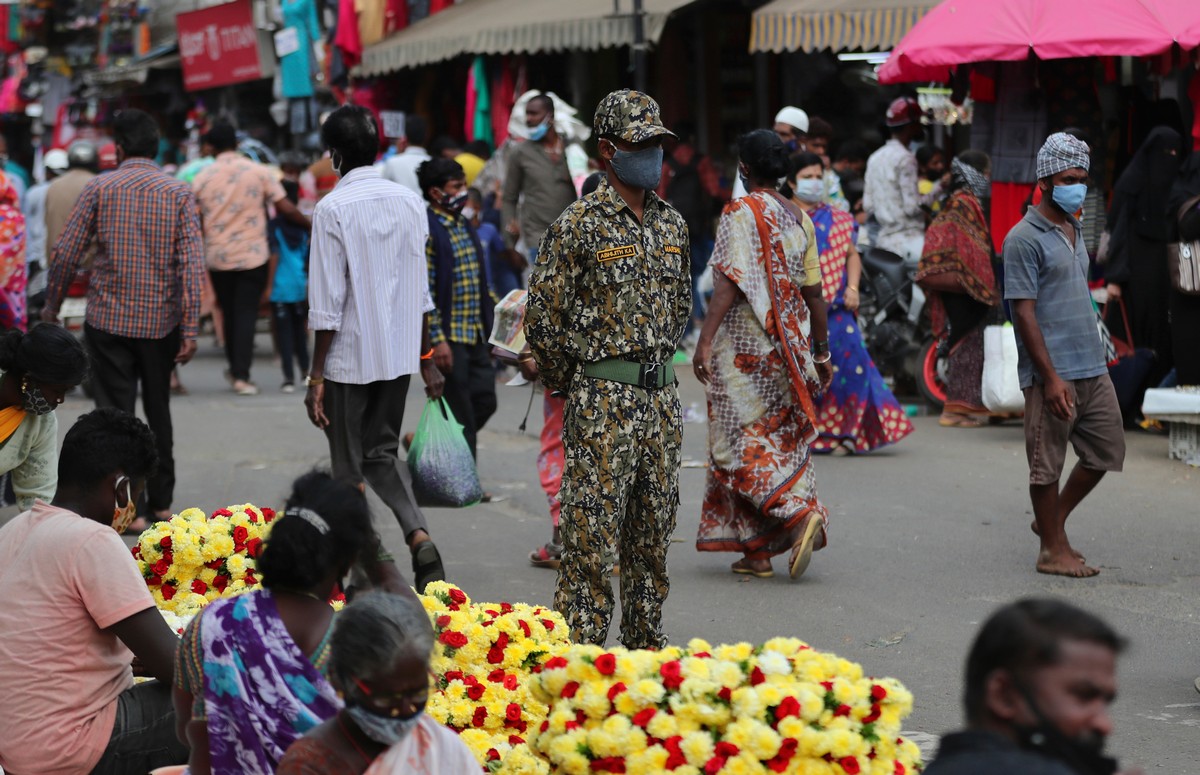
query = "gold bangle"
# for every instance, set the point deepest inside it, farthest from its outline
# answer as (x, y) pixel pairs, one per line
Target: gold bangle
(852, 288)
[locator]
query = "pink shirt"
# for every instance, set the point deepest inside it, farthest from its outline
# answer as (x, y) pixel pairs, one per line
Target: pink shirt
(64, 580)
(233, 193)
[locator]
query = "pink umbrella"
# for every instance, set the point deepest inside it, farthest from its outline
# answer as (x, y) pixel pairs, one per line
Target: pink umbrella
(957, 32)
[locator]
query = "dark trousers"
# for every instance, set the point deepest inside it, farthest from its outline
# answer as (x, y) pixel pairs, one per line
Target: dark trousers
(291, 337)
(119, 363)
(364, 442)
(238, 293)
(143, 736)
(471, 388)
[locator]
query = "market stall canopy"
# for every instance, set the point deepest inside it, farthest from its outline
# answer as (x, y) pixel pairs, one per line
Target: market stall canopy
(962, 31)
(516, 27)
(837, 25)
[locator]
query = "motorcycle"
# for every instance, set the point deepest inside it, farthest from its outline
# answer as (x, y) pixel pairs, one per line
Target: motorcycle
(896, 327)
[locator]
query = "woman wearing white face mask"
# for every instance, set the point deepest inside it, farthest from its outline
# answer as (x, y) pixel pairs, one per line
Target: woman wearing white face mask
(380, 664)
(857, 413)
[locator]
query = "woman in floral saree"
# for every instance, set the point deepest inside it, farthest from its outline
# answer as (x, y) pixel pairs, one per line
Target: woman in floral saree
(13, 274)
(762, 374)
(251, 669)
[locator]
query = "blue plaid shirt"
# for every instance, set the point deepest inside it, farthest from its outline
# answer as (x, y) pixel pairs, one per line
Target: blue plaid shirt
(466, 317)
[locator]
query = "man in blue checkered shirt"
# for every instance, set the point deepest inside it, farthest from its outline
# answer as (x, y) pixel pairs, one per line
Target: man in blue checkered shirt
(460, 326)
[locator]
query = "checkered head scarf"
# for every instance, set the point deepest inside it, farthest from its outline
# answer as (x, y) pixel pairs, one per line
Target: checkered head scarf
(971, 179)
(1062, 152)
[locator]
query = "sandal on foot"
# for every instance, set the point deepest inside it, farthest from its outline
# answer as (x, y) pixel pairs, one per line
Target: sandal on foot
(956, 420)
(427, 565)
(744, 570)
(548, 556)
(802, 550)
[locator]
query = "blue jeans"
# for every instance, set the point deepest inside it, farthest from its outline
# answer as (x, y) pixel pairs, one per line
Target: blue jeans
(143, 736)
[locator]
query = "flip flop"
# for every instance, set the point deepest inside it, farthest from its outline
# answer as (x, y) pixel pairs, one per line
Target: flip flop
(548, 556)
(963, 421)
(758, 574)
(803, 549)
(427, 565)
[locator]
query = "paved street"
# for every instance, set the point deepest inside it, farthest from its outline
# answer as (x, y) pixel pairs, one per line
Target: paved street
(925, 540)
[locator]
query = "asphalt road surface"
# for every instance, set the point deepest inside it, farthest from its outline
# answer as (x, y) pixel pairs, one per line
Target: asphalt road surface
(926, 539)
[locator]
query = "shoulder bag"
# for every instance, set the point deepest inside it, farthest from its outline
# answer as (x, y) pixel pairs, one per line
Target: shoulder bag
(1183, 258)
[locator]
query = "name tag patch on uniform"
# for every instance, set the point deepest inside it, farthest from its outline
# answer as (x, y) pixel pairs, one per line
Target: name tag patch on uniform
(612, 254)
(673, 249)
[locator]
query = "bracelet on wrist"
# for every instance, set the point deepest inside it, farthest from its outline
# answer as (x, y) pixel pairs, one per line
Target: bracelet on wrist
(828, 357)
(310, 380)
(429, 355)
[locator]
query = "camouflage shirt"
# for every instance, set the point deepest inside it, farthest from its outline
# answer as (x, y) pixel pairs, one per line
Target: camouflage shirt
(606, 286)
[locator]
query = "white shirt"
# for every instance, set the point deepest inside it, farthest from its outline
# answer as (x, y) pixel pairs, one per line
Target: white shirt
(891, 196)
(402, 168)
(368, 278)
(35, 225)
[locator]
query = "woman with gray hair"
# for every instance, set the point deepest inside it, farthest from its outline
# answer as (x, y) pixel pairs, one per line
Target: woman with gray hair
(380, 665)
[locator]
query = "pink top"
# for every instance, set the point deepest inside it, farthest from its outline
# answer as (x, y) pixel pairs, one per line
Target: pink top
(64, 579)
(233, 193)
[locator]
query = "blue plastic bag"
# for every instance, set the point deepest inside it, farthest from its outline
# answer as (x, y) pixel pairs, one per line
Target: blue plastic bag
(443, 471)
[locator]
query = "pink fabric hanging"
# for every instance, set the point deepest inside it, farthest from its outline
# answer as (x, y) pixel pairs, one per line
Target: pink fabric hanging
(347, 34)
(472, 98)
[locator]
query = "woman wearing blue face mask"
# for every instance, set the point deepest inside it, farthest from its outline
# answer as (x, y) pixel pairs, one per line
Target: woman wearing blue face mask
(380, 664)
(857, 413)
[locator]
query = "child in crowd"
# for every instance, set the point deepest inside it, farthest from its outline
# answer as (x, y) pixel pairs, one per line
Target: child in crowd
(503, 270)
(288, 286)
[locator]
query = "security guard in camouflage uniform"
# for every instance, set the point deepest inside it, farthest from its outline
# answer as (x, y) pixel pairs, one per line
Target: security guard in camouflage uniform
(607, 306)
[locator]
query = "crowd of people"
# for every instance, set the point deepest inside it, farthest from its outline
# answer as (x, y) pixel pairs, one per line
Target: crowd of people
(395, 270)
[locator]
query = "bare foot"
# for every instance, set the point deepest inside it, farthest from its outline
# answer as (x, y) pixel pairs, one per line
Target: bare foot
(1078, 554)
(1063, 563)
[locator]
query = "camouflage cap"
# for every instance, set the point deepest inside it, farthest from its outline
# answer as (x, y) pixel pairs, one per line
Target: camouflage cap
(630, 116)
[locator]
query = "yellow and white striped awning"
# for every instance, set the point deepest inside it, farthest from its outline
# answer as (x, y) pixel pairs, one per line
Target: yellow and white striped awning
(836, 25)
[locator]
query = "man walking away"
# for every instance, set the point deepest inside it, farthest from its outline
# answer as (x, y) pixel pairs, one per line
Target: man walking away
(64, 192)
(233, 193)
(460, 326)
(143, 306)
(1040, 678)
(411, 153)
(55, 164)
(1061, 359)
(538, 178)
(606, 309)
(368, 292)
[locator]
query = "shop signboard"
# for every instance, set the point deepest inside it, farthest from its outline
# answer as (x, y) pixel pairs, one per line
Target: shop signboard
(219, 46)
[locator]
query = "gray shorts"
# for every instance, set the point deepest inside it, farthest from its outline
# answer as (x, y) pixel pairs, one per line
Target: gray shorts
(1094, 430)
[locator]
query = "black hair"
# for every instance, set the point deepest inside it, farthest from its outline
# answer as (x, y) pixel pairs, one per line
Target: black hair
(802, 160)
(297, 555)
(292, 189)
(546, 101)
(764, 154)
(443, 143)
(350, 131)
(136, 133)
(48, 354)
(479, 148)
(926, 153)
(223, 137)
(1026, 635)
(852, 150)
(102, 442)
(819, 127)
(475, 195)
(416, 130)
(437, 172)
(590, 183)
(293, 160)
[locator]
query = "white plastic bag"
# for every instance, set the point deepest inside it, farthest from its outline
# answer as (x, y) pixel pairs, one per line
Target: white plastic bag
(1001, 382)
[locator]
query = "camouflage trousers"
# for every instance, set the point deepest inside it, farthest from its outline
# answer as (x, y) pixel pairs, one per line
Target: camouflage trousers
(620, 490)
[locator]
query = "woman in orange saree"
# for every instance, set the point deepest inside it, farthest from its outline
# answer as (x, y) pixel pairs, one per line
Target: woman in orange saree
(763, 354)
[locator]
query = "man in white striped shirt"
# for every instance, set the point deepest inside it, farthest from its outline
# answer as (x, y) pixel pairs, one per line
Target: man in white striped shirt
(368, 294)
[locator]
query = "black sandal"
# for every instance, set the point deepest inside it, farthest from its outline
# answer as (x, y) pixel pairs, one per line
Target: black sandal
(427, 565)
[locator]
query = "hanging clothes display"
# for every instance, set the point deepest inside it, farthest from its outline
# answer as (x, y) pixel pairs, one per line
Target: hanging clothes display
(298, 68)
(478, 124)
(347, 39)
(395, 18)
(370, 20)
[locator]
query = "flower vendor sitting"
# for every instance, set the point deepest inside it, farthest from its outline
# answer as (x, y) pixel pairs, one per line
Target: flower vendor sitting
(251, 669)
(380, 663)
(36, 371)
(74, 606)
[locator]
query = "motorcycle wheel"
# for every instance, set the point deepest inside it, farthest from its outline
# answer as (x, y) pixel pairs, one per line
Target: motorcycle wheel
(931, 367)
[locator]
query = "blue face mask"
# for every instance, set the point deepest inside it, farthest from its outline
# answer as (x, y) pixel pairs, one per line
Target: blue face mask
(538, 133)
(792, 145)
(1070, 198)
(639, 169)
(384, 730)
(809, 190)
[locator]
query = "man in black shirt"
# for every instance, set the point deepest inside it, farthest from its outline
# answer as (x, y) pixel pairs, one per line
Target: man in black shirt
(1040, 679)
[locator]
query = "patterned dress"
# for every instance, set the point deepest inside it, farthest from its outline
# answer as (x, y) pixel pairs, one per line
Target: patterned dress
(761, 488)
(13, 274)
(858, 411)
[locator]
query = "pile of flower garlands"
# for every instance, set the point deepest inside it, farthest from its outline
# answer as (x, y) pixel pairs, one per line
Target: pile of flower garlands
(525, 701)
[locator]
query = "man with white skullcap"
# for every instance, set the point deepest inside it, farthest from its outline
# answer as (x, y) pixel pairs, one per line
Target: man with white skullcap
(791, 124)
(1061, 357)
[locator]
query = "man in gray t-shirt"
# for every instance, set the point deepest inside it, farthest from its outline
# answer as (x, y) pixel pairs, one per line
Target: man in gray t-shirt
(1068, 395)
